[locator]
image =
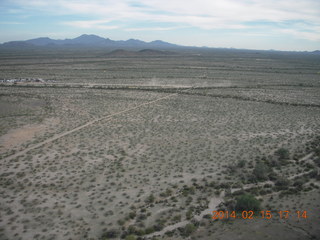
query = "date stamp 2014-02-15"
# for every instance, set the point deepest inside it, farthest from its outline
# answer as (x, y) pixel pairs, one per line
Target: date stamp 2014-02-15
(266, 214)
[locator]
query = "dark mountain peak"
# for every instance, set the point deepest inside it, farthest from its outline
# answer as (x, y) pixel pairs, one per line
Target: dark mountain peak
(134, 43)
(88, 39)
(158, 41)
(134, 40)
(43, 38)
(88, 36)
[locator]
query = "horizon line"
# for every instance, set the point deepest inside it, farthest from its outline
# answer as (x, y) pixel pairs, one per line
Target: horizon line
(178, 45)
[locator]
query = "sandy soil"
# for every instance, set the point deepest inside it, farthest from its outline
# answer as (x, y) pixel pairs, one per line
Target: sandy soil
(16, 137)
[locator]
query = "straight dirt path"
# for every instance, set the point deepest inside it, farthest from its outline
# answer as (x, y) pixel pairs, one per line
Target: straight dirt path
(108, 117)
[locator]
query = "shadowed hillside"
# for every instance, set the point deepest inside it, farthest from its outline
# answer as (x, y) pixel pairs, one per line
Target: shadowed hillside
(141, 53)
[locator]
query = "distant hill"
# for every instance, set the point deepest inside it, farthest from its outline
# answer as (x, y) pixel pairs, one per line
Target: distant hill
(144, 52)
(90, 41)
(121, 53)
(152, 52)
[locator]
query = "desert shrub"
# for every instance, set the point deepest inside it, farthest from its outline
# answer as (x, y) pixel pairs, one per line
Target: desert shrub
(232, 168)
(189, 200)
(212, 184)
(132, 230)
(317, 152)
(132, 215)
(282, 183)
(267, 185)
(241, 163)
(188, 190)
(273, 163)
(272, 176)
(230, 204)
(141, 217)
(187, 230)
(224, 185)
(149, 230)
(160, 223)
(167, 193)
(254, 190)
(121, 222)
(313, 174)
(261, 171)
(290, 191)
(112, 233)
(169, 233)
(238, 192)
(189, 214)
(247, 202)
(265, 191)
(282, 153)
(177, 218)
(309, 166)
(299, 183)
(150, 199)
(317, 161)
(131, 237)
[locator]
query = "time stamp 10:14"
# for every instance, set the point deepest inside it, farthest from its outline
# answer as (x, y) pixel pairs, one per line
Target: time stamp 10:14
(259, 214)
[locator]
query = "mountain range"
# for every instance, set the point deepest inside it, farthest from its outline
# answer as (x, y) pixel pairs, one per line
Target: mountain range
(86, 40)
(94, 41)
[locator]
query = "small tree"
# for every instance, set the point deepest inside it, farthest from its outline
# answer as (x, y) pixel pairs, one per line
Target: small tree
(282, 153)
(261, 171)
(247, 202)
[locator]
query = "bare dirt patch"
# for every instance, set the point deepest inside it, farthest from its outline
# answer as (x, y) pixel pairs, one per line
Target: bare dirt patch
(18, 136)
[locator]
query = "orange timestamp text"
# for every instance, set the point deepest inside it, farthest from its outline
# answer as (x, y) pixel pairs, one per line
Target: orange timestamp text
(258, 214)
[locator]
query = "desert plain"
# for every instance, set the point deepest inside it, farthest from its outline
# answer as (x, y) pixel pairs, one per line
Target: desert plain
(128, 146)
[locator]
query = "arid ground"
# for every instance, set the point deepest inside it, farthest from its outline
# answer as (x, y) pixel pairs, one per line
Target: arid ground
(147, 147)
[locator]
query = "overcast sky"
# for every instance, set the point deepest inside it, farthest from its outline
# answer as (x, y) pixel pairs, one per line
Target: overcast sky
(250, 24)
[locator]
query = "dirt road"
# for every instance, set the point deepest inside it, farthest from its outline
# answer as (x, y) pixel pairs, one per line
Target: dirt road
(108, 117)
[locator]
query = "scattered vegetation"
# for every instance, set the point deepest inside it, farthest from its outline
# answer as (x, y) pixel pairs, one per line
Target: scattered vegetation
(154, 163)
